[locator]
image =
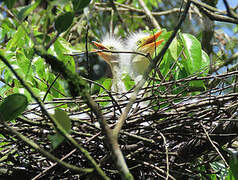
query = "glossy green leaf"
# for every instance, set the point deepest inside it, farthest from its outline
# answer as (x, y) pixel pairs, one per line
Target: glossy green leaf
(63, 22)
(12, 106)
(23, 62)
(192, 58)
(192, 53)
(205, 62)
(18, 40)
(26, 10)
(63, 122)
(10, 3)
(40, 68)
(79, 4)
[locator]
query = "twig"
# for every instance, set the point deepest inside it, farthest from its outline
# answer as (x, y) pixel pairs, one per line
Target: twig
(155, 61)
(149, 14)
(52, 41)
(167, 155)
(57, 125)
(213, 145)
(53, 165)
(229, 11)
(108, 92)
(119, 16)
(210, 12)
(46, 153)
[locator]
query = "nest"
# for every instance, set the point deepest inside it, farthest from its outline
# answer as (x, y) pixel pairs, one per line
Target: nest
(169, 132)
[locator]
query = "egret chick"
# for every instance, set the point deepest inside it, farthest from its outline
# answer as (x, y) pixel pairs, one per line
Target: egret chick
(112, 43)
(143, 43)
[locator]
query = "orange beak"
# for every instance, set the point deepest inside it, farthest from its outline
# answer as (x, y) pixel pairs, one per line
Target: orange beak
(99, 45)
(151, 43)
(105, 55)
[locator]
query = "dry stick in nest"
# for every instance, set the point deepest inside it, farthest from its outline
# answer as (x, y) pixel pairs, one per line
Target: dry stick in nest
(155, 61)
(57, 126)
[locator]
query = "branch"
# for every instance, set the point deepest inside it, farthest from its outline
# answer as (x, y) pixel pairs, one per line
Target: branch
(155, 61)
(149, 14)
(57, 125)
(119, 16)
(46, 153)
(225, 63)
(210, 12)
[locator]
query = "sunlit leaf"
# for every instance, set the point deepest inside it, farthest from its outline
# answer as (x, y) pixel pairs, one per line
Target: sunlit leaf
(40, 68)
(192, 58)
(193, 53)
(26, 10)
(18, 40)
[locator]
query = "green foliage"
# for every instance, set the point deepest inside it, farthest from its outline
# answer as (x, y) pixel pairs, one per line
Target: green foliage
(129, 83)
(63, 122)
(78, 5)
(12, 106)
(10, 3)
(67, 18)
(34, 25)
(194, 59)
(233, 170)
(26, 10)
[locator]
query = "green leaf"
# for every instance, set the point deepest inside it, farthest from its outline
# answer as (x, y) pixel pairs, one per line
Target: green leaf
(18, 40)
(23, 62)
(129, 83)
(80, 4)
(12, 106)
(40, 68)
(56, 140)
(10, 3)
(63, 122)
(62, 47)
(193, 53)
(205, 62)
(62, 119)
(26, 10)
(233, 171)
(107, 83)
(63, 22)
(192, 59)
(166, 63)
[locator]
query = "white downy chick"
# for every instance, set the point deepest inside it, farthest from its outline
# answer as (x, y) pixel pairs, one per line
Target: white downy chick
(143, 43)
(114, 60)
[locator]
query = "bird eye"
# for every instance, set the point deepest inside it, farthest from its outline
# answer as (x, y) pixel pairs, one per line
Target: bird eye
(138, 42)
(111, 48)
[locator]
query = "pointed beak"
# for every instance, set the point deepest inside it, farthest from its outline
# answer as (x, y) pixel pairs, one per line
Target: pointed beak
(104, 55)
(150, 42)
(99, 45)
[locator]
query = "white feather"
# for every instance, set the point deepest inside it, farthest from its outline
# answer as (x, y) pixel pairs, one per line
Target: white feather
(131, 45)
(133, 38)
(110, 40)
(117, 69)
